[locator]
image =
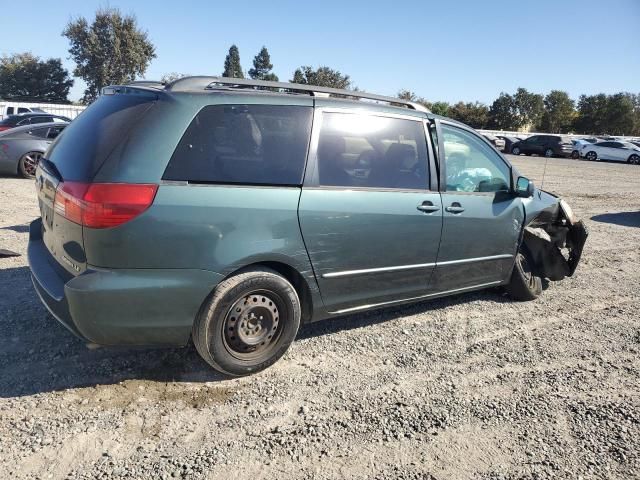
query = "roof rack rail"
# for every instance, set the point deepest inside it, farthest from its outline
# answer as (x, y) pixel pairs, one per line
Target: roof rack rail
(208, 83)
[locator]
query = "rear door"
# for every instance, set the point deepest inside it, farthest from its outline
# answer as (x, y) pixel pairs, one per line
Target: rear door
(531, 145)
(369, 211)
(482, 218)
(619, 152)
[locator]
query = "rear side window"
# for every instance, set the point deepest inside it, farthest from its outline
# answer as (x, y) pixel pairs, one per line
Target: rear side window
(39, 132)
(41, 120)
(85, 144)
(356, 150)
(244, 144)
(10, 110)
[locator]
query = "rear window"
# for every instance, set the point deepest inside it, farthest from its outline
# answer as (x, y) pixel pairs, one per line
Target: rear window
(84, 145)
(244, 144)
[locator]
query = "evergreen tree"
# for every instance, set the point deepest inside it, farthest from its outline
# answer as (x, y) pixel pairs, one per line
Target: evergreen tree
(232, 67)
(262, 67)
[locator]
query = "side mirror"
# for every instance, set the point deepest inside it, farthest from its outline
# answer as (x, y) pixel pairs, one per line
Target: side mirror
(524, 187)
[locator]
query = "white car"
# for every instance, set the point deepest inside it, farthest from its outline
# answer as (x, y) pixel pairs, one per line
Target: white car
(612, 150)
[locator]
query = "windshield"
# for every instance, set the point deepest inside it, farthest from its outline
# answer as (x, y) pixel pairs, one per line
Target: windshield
(81, 149)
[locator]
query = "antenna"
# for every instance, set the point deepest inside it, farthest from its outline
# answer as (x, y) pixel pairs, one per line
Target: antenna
(544, 172)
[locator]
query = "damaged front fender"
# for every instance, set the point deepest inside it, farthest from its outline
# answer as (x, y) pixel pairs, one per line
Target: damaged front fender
(553, 237)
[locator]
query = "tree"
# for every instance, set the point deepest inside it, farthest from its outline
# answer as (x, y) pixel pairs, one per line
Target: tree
(24, 76)
(111, 50)
(503, 114)
(412, 97)
(440, 108)
(232, 67)
(475, 114)
(529, 108)
(620, 114)
(322, 77)
(592, 114)
(559, 112)
(262, 67)
(171, 76)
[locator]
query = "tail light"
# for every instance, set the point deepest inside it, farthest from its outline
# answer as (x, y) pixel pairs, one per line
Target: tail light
(103, 205)
(3, 128)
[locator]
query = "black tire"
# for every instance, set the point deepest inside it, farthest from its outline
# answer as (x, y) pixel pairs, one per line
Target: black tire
(575, 154)
(28, 163)
(515, 151)
(524, 285)
(268, 316)
(548, 153)
(591, 156)
(634, 159)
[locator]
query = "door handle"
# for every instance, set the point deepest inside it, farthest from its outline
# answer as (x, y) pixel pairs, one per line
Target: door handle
(455, 208)
(428, 207)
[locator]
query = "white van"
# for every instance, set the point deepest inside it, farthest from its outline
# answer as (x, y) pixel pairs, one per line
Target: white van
(13, 108)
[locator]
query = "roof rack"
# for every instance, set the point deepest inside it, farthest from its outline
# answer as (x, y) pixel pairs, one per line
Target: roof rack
(209, 83)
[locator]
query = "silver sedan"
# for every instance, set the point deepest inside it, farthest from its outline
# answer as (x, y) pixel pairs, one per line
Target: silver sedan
(21, 148)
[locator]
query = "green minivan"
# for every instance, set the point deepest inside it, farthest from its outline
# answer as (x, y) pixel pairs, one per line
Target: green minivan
(231, 211)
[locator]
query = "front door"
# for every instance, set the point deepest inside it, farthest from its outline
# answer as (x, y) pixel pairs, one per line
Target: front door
(369, 215)
(482, 218)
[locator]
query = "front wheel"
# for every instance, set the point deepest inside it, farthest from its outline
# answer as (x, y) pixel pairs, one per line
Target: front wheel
(575, 154)
(248, 323)
(591, 156)
(28, 163)
(634, 159)
(548, 153)
(515, 150)
(524, 285)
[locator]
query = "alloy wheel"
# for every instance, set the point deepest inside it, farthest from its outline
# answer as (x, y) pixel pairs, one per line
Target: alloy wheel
(30, 162)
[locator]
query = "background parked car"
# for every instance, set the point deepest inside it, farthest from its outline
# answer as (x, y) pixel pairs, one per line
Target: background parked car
(32, 118)
(578, 146)
(22, 148)
(496, 141)
(509, 142)
(547, 145)
(616, 151)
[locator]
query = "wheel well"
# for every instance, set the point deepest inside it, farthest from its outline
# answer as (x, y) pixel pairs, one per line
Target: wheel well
(295, 278)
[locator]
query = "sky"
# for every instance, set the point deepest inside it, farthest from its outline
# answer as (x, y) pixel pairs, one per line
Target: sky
(447, 50)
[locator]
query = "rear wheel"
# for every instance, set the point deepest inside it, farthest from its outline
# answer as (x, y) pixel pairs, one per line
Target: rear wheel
(28, 163)
(248, 323)
(524, 285)
(548, 153)
(634, 159)
(515, 150)
(591, 156)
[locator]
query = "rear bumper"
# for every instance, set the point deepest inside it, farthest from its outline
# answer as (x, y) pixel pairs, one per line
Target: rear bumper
(120, 306)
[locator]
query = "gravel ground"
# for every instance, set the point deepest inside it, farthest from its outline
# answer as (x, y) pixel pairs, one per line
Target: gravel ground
(472, 386)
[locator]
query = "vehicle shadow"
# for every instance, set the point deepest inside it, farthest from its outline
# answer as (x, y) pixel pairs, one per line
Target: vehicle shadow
(625, 219)
(17, 228)
(38, 354)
